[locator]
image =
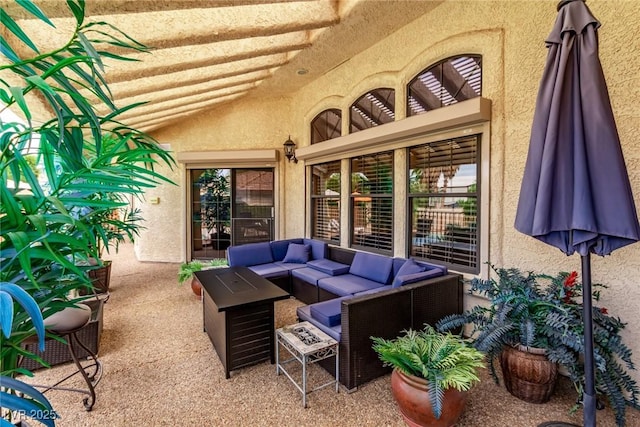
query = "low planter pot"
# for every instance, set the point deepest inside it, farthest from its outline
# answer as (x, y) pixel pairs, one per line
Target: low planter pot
(412, 395)
(528, 374)
(196, 287)
(100, 278)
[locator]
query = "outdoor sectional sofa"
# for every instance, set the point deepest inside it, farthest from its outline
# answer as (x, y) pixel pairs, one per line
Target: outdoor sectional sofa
(353, 296)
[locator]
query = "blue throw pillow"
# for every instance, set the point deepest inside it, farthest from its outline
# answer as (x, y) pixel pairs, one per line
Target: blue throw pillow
(409, 267)
(297, 253)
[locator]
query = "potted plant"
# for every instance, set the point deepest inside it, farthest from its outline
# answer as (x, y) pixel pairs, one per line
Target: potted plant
(186, 270)
(112, 223)
(432, 372)
(512, 328)
(538, 318)
(612, 356)
(47, 225)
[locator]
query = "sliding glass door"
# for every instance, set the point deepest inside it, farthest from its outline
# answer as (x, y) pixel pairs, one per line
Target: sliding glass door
(230, 206)
(253, 205)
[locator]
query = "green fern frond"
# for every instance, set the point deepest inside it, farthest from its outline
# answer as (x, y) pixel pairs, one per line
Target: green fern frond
(443, 359)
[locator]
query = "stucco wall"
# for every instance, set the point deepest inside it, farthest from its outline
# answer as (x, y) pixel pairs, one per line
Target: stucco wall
(510, 36)
(250, 124)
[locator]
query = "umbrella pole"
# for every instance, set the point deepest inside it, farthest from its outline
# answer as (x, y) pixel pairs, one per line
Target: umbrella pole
(589, 393)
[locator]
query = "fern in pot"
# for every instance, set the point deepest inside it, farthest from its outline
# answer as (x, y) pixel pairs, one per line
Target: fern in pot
(432, 372)
(187, 270)
(512, 329)
(540, 316)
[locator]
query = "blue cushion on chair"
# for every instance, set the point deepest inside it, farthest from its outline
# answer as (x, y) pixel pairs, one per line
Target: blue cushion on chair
(406, 279)
(318, 248)
(327, 312)
(328, 266)
(409, 267)
(297, 253)
(249, 254)
(372, 266)
(279, 247)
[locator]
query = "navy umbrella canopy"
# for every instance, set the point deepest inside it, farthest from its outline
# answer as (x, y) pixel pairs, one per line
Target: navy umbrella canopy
(575, 192)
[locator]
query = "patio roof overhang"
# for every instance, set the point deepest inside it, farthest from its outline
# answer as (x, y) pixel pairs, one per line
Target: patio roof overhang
(207, 54)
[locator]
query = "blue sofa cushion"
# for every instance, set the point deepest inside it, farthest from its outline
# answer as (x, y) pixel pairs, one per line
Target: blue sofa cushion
(328, 266)
(269, 271)
(304, 313)
(309, 275)
(297, 253)
(318, 248)
(289, 265)
(399, 262)
(347, 284)
(372, 266)
(327, 312)
(249, 254)
(406, 279)
(409, 267)
(279, 248)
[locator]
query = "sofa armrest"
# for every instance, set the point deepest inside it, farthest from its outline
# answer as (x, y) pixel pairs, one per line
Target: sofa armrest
(382, 314)
(436, 298)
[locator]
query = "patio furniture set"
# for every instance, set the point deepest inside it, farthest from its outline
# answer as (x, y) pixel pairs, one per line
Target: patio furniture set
(350, 296)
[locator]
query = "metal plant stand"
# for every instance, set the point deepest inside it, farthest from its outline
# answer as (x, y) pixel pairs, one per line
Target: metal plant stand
(91, 372)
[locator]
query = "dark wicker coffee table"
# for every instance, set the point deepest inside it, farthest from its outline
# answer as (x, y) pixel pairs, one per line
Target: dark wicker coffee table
(238, 315)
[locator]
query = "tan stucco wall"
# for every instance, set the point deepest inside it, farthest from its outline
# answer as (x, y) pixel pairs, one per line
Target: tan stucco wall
(510, 36)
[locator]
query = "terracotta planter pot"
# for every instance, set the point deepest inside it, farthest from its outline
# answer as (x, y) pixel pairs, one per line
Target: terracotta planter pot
(411, 394)
(528, 374)
(196, 287)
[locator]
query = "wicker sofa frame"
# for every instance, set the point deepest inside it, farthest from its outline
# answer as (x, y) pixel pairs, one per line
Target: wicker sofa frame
(386, 314)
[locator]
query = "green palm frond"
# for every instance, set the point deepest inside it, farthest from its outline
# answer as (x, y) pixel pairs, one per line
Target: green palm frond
(54, 221)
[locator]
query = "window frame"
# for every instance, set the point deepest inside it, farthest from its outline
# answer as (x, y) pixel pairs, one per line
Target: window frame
(375, 198)
(388, 103)
(413, 92)
(315, 198)
(448, 248)
(329, 131)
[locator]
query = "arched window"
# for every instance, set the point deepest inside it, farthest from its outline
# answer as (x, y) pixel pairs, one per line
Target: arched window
(326, 125)
(374, 108)
(449, 81)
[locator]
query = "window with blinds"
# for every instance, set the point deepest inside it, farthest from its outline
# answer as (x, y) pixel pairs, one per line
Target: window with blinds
(326, 125)
(325, 201)
(374, 108)
(371, 202)
(453, 80)
(444, 198)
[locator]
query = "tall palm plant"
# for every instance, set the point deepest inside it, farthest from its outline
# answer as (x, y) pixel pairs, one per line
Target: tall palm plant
(88, 157)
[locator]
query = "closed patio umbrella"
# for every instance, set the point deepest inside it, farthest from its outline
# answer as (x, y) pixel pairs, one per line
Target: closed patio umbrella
(575, 192)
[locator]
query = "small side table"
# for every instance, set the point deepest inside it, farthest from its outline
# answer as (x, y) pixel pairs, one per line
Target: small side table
(307, 344)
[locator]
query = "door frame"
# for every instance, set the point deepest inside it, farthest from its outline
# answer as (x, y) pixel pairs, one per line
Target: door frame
(227, 159)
